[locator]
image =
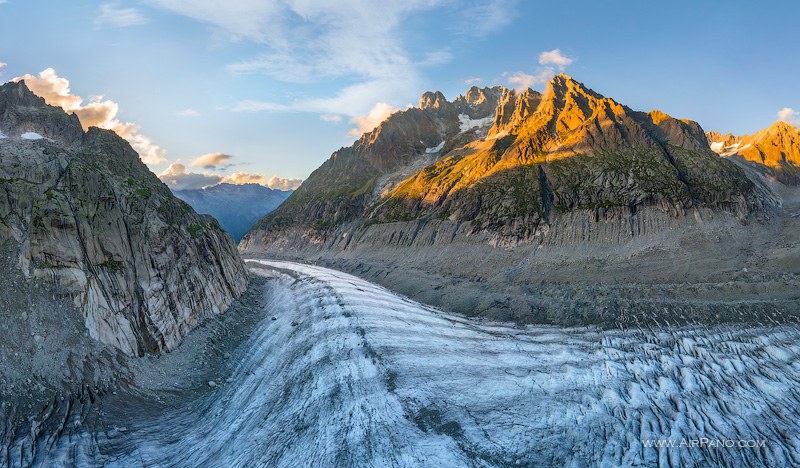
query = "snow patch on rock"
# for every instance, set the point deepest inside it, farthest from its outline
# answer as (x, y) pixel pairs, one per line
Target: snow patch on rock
(732, 149)
(436, 148)
(466, 123)
(31, 136)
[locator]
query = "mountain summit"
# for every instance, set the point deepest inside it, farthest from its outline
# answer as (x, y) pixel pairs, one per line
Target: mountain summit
(510, 168)
(777, 148)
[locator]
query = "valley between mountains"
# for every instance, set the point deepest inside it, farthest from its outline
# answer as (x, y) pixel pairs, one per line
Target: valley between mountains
(331, 370)
(563, 207)
(510, 278)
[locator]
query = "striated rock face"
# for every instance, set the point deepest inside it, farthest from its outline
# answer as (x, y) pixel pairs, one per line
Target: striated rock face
(510, 173)
(90, 219)
(776, 149)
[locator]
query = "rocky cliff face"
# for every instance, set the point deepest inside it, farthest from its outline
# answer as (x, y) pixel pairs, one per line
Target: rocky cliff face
(511, 171)
(84, 215)
(776, 149)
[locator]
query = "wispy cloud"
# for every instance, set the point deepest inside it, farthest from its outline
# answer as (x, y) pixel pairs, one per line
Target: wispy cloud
(521, 81)
(99, 112)
(787, 114)
(366, 123)
(356, 100)
(189, 113)
(439, 57)
(333, 118)
(548, 60)
(111, 15)
(359, 43)
(480, 18)
(555, 57)
(260, 106)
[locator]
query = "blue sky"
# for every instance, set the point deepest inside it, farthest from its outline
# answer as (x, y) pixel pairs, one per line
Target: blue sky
(273, 87)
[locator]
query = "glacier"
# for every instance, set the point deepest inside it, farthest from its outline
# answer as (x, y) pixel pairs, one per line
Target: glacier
(342, 372)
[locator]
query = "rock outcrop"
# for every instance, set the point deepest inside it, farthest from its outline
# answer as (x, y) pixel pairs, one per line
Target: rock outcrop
(509, 172)
(85, 216)
(776, 149)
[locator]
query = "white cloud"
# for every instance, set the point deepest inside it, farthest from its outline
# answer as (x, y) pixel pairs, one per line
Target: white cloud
(177, 178)
(333, 118)
(555, 57)
(211, 160)
(357, 100)
(282, 183)
(97, 113)
(522, 81)
(246, 178)
(787, 114)
(275, 182)
(473, 81)
(366, 123)
(3, 64)
(112, 15)
(189, 113)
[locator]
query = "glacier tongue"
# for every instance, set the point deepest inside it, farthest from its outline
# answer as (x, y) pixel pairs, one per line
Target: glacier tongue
(350, 374)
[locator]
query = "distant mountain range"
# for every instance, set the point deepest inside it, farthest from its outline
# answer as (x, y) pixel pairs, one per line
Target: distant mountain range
(236, 207)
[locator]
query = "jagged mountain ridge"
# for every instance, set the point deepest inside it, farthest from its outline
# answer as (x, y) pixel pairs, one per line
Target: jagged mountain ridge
(577, 150)
(339, 189)
(543, 154)
(237, 207)
(83, 214)
(775, 148)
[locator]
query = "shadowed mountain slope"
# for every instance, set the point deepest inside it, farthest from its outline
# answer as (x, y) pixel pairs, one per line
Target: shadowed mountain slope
(80, 213)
